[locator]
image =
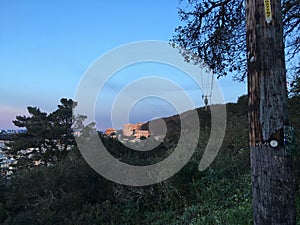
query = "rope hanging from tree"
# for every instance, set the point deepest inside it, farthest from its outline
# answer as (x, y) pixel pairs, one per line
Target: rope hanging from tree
(207, 91)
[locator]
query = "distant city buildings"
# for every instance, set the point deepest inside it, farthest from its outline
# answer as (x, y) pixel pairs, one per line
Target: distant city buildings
(10, 162)
(11, 131)
(7, 161)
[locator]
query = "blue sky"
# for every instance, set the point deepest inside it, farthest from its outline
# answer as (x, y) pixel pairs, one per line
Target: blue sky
(46, 46)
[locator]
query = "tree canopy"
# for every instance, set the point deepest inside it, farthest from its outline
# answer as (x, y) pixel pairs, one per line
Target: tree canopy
(51, 133)
(215, 32)
(295, 86)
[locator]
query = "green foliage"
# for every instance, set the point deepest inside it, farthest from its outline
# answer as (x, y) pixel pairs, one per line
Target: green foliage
(71, 193)
(61, 124)
(294, 112)
(295, 85)
(51, 133)
(240, 214)
(214, 33)
(38, 130)
(47, 195)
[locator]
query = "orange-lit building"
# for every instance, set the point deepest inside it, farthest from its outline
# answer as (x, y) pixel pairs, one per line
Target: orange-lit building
(110, 131)
(142, 133)
(135, 130)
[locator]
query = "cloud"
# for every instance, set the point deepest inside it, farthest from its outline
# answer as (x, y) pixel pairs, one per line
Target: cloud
(8, 114)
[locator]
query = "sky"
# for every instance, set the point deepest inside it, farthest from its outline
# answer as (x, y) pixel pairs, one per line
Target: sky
(46, 47)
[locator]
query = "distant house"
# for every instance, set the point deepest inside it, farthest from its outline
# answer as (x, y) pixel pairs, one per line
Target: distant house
(110, 131)
(77, 133)
(135, 130)
(142, 133)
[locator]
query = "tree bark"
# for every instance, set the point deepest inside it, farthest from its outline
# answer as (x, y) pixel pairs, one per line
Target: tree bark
(271, 167)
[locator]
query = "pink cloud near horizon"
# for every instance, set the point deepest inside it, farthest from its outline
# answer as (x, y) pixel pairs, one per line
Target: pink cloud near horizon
(8, 114)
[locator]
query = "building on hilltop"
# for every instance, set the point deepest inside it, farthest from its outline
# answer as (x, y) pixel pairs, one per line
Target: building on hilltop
(142, 133)
(110, 131)
(135, 130)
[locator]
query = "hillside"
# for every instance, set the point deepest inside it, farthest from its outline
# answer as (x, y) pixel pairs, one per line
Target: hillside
(70, 192)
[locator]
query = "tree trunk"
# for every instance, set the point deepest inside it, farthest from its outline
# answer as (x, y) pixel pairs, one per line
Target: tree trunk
(271, 167)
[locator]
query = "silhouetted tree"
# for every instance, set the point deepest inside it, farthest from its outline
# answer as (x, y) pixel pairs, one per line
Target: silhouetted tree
(51, 133)
(215, 31)
(38, 128)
